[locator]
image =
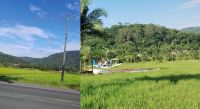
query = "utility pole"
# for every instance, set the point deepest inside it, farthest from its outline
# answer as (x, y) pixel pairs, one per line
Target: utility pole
(64, 53)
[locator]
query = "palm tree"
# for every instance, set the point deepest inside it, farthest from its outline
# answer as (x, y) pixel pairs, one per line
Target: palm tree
(91, 22)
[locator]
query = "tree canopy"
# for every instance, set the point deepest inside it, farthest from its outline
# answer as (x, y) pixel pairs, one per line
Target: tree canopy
(145, 42)
(91, 22)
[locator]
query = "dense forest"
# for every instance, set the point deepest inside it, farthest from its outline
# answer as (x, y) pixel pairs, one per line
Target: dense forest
(52, 62)
(140, 43)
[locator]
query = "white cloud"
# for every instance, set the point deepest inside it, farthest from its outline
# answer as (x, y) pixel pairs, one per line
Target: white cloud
(190, 4)
(21, 50)
(34, 8)
(26, 51)
(73, 6)
(26, 37)
(38, 11)
(27, 33)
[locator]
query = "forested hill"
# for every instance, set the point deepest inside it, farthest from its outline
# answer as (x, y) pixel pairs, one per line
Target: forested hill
(144, 42)
(9, 60)
(52, 62)
(192, 29)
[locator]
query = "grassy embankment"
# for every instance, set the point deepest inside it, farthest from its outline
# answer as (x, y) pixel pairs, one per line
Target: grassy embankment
(175, 86)
(43, 78)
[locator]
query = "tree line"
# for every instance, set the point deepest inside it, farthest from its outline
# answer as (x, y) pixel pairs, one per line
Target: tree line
(141, 43)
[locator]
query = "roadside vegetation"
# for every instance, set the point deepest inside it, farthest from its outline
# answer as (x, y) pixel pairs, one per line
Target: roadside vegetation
(174, 86)
(38, 77)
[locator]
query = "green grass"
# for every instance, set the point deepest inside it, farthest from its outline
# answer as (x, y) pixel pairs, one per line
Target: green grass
(175, 86)
(43, 78)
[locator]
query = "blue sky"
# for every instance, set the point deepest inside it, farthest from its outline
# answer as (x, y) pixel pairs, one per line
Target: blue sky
(170, 13)
(35, 28)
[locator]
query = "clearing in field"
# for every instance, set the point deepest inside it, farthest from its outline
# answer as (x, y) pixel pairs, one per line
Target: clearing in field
(174, 86)
(43, 78)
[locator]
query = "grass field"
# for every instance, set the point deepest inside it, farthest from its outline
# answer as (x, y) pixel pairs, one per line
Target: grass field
(44, 78)
(175, 86)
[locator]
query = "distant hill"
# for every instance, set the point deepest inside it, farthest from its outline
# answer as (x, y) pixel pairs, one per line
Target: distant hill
(192, 29)
(52, 62)
(9, 60)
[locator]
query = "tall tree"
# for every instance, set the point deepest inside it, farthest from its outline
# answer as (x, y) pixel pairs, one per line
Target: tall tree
(91, 22)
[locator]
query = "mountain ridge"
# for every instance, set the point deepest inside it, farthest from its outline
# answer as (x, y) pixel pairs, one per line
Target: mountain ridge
(52, 62)
(191, 29)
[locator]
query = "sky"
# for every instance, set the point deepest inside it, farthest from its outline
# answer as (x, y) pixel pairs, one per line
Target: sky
(176, 14)
(36, 28)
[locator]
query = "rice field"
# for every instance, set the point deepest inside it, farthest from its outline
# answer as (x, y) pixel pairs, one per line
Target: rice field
(175, 86)
(38, 77)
